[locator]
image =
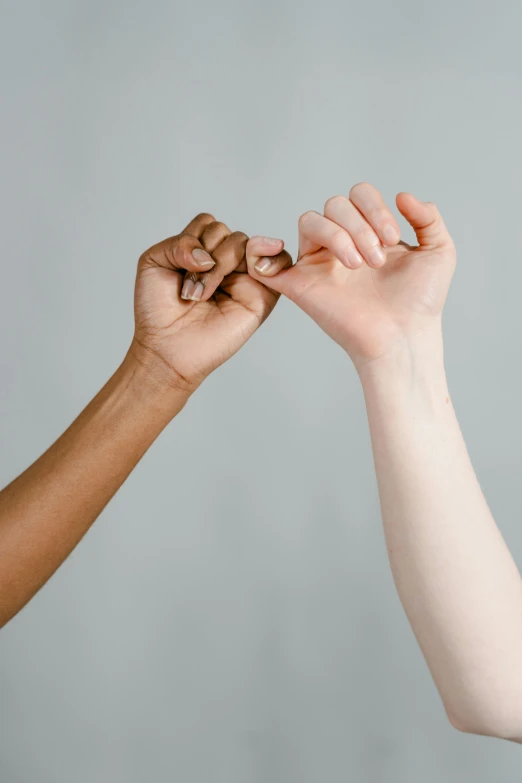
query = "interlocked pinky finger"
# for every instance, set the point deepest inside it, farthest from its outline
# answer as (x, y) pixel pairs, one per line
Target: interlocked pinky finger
(266, 257)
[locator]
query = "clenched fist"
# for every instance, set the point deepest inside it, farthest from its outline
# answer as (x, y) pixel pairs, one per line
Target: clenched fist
(195, 304)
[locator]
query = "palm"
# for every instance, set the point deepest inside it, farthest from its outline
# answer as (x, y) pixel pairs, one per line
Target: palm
(370, 309)
(195, 338)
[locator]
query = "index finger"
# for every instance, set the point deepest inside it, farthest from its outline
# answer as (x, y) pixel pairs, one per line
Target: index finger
(197, 225)
(181, 252)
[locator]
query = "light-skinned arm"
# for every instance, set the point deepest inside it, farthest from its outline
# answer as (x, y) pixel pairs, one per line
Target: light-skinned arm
(382, 301)
(195, 306)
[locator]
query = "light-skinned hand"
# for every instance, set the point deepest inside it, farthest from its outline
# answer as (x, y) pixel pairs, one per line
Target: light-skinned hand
(367, 289)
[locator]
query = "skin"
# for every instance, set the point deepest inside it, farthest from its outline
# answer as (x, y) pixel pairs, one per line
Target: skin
(382, 301)
(205, 265)
(178, 341)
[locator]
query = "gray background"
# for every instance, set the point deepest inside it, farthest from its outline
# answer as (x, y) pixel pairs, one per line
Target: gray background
(231, 616)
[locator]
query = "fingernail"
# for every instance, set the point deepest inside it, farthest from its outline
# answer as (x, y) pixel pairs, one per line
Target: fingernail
(354, 259)
(270, 241)
(263, 265)
(197, 293)
(202, 259)
(390, 235)
(188, 287)
(376, 257)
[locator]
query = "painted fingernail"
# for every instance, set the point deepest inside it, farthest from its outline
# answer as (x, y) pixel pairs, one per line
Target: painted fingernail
(197, 293)
(202, 259)
(390, 235)
(270, 241)
(188, 287)
(376, 257)
(263, 265)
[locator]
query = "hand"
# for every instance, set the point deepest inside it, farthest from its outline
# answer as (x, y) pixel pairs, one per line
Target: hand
(366, 289)
(195, 305)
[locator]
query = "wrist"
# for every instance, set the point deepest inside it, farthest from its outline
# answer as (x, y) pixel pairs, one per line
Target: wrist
(152, 382)
(415, 364)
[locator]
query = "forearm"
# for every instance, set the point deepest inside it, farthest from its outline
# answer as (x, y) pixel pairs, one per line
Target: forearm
(457, 581)
(46, 511)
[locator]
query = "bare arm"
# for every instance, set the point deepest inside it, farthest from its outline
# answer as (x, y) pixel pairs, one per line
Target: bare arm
(195, 306)
(382, 300)
(47, 510)
(455, 576)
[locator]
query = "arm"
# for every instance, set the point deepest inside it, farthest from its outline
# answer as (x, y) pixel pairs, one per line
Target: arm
(193, 311)
(382, 300)
(47, 510)
(455, 576)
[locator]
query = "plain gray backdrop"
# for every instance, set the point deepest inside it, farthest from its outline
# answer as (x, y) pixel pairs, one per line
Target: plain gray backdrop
(231, 616)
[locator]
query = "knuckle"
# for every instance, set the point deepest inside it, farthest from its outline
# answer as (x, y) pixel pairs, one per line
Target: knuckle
(435, 220)
(367, 237)
(205, 217)
(360, 189)
(305, 219)
(378, 215)
(339, 236)
(216, 226)
(184, 240)
(239, 236)
(334, 203)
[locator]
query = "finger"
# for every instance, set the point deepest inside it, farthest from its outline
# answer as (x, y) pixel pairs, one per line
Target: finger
(228, 257)
(197, 225)
(183, 251)
(266, 257)
(275, 277)
(426, 221)
(344, 214)
(252, 294)
(317, 231)
(372, 206)
(213, 235)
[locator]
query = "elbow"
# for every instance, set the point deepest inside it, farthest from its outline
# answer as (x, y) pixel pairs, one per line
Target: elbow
(494, 722)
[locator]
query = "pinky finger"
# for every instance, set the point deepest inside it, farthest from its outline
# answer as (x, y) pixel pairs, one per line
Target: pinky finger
(266, 257)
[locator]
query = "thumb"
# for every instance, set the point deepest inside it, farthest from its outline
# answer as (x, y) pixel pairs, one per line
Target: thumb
(425, 219)
(181, 252)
